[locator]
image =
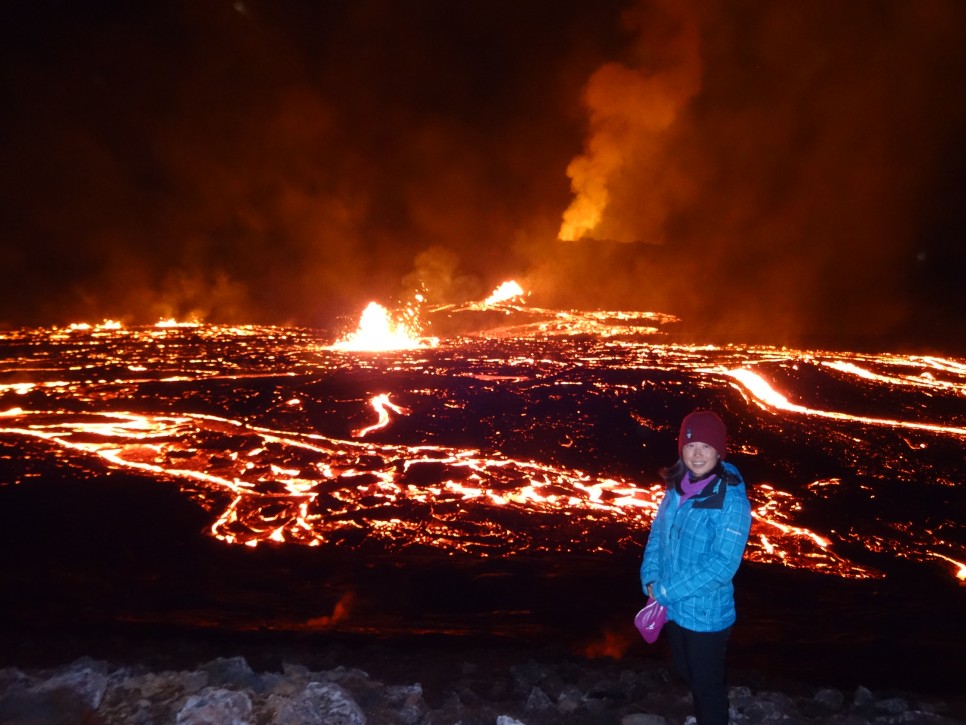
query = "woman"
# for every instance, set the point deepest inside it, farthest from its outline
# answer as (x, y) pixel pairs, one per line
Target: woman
(696, 543)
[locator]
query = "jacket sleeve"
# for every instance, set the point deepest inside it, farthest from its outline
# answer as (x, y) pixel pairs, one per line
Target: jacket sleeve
(651, 565)
(718, 569)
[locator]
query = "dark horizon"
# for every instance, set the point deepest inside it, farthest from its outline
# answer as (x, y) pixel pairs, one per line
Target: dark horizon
(765, 172)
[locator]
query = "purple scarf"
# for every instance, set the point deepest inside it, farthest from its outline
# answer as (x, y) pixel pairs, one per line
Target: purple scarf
(690, 488)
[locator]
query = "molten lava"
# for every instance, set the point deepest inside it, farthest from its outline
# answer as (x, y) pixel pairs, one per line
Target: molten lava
(505, 292)
(377, 331)
(523, 439)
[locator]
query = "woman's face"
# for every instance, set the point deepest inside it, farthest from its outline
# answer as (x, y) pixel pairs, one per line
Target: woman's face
(700, 458)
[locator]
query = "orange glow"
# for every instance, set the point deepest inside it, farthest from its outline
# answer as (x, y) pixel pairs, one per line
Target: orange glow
(382, 406)
(585, 211)
(105, 325)
(377, 331)
(171, 322)
(959, 565)
(767, 397)
(340, 613)
(505, 292)
(614, 644)
(632, 112)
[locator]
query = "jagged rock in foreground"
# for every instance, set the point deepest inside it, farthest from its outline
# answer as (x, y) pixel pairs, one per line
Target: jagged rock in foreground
(227, 691)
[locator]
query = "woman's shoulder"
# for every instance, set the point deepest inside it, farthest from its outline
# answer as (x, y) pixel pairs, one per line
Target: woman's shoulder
(731, 475)
(737, 495)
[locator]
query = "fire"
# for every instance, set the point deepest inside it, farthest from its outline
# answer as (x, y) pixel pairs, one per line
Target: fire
(506, 291)
(171, 322)
(381, 331)
(86, 326)
(377, 331)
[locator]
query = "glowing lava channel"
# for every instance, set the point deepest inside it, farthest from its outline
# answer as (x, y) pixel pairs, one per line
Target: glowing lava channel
(767, 397)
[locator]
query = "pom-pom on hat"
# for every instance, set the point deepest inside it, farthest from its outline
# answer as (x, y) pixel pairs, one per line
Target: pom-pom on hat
(703, 426)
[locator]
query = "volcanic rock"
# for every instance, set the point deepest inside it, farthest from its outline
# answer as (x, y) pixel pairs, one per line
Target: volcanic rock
(228, 691)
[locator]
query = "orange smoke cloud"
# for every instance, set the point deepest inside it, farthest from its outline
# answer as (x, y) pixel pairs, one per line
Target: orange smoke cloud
(633, 112)
(786, 171)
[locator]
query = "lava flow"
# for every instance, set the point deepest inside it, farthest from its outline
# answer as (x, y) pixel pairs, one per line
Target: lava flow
(532, 431)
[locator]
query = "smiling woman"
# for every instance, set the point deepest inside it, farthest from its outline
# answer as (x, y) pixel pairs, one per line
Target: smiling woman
(695, 546)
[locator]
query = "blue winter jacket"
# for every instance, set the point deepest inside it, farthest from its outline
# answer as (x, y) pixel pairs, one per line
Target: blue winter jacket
(694, 550)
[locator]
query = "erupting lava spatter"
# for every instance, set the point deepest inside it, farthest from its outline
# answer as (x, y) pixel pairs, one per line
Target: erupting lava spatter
(503, 293)
(541, 434)
(379, 331)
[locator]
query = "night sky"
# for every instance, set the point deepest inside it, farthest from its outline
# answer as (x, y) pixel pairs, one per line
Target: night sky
(784, 172)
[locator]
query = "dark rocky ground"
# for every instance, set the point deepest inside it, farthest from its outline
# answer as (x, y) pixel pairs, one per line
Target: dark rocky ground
(209, 680)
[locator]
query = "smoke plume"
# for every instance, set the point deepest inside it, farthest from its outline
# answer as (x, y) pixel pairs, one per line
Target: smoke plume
(629, 180)
(789, 158)
(763, 170)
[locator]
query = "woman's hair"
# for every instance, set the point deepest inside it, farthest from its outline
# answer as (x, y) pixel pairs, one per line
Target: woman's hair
(673, 475)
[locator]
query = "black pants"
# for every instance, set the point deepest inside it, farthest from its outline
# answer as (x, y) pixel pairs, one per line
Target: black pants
(699, 657)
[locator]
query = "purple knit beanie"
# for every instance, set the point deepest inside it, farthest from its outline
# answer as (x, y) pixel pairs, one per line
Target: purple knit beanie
(703, 426)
